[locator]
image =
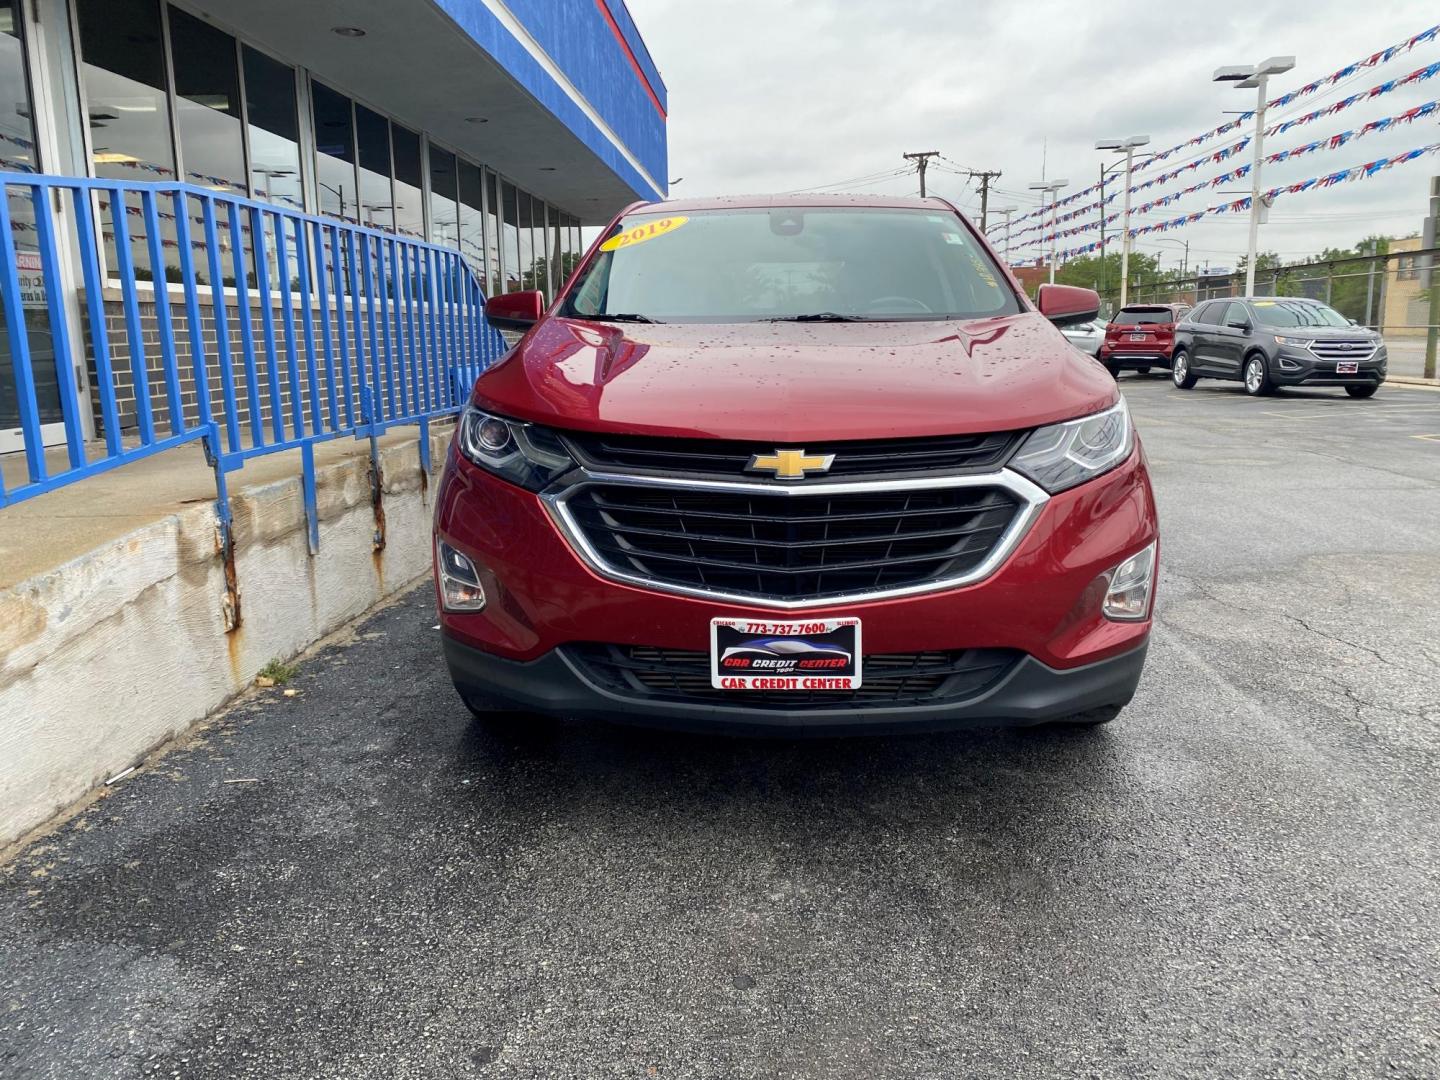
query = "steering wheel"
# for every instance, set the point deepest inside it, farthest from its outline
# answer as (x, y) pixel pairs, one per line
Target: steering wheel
(906, 303)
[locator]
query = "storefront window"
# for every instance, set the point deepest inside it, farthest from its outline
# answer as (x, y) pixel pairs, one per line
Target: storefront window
(444, 217)
(17, 133)
(122, 73)
(472, 219)
(524, 217)
(409, 183)
(511, 208)
(372, 133)
(17, 149)
(274, 129)
(207, 104)
(554, 258)
(492, 233)
(337, 191)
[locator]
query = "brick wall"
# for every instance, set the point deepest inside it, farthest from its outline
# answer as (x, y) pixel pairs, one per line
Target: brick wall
(271, 395)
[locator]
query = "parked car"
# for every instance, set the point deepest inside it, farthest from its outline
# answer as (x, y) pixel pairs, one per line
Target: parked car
(1085, 336)
(1140, 337)
(796, 464)
(1272, 341)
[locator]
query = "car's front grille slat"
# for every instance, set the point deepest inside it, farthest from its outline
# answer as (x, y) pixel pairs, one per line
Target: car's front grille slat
(791, 547)
(660, 674)
(728, 459)
(1351, 349)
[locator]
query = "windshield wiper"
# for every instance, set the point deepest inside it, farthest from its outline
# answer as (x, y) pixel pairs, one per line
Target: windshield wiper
(620, 316)
(819, 316)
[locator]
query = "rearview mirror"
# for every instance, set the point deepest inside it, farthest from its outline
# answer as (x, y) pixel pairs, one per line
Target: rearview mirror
(516, 310)
(1065, 305)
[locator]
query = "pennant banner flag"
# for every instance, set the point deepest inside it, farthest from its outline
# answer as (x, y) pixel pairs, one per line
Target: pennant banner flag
(1373, 60)
(1332, 142)
(1341, 176)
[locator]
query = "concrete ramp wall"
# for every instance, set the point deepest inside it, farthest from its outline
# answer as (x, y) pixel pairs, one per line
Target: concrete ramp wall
(108, 656)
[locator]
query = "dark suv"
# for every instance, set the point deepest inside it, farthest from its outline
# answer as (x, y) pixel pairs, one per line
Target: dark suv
(1271, 341)
(1139, 337)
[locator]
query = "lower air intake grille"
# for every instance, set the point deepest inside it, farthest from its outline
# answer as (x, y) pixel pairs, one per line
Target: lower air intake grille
(642, 671)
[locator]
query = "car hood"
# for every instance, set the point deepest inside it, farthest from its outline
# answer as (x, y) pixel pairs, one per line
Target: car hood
(796, 381)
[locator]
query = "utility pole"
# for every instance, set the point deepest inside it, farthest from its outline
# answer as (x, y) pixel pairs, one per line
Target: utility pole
(1430, 280)
(984, 178)
(921, 160)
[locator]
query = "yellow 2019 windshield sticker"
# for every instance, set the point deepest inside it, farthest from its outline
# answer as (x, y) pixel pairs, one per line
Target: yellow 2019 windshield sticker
(646, 230)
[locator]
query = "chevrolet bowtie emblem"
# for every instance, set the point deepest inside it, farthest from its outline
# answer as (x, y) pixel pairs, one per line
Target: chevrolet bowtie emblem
(790, 464)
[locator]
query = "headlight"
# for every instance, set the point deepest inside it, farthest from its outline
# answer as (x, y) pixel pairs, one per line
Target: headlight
(526, 455)
(1297, 342)
(1063, 455)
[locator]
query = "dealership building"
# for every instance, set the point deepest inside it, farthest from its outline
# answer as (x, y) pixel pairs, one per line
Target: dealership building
(493, 128)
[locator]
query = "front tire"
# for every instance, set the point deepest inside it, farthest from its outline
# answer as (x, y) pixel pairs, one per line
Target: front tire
(1143, 370)
(1180, 373)
(1257, 377)
(1362, 391)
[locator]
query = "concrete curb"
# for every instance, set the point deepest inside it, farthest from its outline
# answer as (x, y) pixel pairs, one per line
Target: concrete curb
(110, 655)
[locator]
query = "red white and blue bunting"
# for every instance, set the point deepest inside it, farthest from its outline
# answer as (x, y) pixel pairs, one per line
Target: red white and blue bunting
(1384, 56)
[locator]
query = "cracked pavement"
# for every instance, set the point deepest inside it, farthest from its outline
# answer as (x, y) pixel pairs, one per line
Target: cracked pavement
(1236, 878)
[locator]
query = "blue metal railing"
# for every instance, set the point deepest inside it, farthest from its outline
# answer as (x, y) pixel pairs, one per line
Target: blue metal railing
(260, 329)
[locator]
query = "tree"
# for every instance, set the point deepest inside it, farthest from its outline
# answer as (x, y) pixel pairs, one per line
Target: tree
(1090, 272)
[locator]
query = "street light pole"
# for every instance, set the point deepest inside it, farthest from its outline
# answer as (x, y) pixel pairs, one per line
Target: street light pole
(1245, 78)
(1053, 187)
(1128, 146)
(1006, 211)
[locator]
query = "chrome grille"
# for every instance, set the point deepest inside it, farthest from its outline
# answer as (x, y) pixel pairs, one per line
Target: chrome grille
(1360, 349)
(793, 545)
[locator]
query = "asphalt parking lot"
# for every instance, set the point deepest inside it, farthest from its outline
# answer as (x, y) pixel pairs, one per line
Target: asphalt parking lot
(1239, 877)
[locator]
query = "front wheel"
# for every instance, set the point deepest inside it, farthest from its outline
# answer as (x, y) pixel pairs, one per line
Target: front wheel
(1257, 377)
(1180, 373)
(1362, 391)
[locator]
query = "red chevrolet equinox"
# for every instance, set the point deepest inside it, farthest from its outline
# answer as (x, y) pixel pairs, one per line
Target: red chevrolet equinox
(809, 464)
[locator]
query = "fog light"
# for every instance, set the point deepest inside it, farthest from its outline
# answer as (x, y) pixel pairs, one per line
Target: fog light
(1288, 364)
(1128, 597)
(460, 588)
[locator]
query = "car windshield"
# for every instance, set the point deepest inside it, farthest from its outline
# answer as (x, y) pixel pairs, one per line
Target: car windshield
(801, 263)
(1291, 313)
(1137, 316)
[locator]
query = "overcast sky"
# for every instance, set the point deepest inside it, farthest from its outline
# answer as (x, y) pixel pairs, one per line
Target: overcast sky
(768, 95)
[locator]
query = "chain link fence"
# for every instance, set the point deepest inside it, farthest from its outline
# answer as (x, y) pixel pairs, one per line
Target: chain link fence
(1397, 294)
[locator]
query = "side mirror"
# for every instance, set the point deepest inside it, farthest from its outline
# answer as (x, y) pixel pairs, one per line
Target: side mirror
(1242, 324)
(1065, 305)
(516, 310)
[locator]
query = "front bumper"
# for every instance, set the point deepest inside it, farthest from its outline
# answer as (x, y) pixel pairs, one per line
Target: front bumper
(1042, 601)
(558, 684)
(1295, 367)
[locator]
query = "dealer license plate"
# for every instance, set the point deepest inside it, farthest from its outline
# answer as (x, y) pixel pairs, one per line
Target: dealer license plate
(1138, 337)
(813, 654)
(1347, 367)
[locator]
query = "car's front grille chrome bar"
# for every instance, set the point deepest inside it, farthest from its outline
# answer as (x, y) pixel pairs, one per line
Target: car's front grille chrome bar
(795, 546)
(1357, 349)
